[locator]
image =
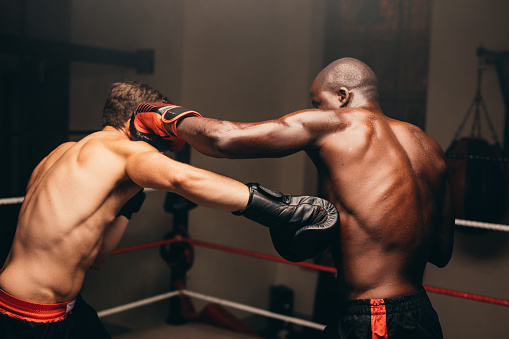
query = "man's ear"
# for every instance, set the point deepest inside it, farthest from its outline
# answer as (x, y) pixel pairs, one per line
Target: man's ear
(127, 129)
(344, 96)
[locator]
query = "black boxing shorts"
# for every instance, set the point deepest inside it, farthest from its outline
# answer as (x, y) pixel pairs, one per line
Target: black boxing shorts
(73, 319)
(410, 316)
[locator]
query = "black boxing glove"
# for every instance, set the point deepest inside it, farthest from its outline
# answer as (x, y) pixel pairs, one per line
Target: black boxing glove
(133, 205)
(300, 226)
(148, 124)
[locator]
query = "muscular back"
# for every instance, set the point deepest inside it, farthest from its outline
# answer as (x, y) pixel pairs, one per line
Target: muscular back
(387, 178)
(72, 197)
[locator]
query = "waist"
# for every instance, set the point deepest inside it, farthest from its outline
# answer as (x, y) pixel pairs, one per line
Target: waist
(398, 304)
(34, 312)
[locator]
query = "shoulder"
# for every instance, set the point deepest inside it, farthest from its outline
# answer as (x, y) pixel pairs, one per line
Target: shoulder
(61, 149)
(116, 144)
(321, 120)
(57, 153)
(424, 138)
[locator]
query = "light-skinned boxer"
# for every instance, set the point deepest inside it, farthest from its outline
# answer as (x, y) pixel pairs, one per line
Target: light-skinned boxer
(77, 206)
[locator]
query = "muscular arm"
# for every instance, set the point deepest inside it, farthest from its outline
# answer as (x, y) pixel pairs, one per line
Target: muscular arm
(442, 249)
(152, 169)
(272, 138)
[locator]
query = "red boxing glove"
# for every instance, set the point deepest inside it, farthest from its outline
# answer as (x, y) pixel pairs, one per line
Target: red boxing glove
(148, 124)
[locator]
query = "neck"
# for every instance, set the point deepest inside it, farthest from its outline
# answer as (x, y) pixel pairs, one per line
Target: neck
(123, 131)
(361, 102)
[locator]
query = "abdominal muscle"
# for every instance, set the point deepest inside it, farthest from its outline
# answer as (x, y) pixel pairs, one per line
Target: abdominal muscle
(51, 268)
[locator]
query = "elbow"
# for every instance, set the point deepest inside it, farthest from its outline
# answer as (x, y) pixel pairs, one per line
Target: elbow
(440, 262)
(97, 266)
(221, 142)
(181, 181)
(441, 259)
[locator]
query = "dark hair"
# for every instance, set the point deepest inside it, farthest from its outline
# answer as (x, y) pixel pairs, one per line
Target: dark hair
(124, 97)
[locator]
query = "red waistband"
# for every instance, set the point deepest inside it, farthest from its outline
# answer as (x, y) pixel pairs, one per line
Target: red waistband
(41, 313)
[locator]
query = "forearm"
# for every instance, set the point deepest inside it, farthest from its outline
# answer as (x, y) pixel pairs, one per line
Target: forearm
(212, 190)
(237, 140)
(208, 136)
(205, 188)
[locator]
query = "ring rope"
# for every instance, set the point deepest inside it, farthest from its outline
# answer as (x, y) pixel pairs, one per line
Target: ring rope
(226, 249)
(215, 300)
(459, 222)
(484, 225)
(254, 310)
(12, 201)
(138, 303)
(469, 296)
(433, 289)
(476, 157)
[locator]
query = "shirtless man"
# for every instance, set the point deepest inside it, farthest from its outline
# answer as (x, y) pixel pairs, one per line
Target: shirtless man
(387, 178)
(76, 209)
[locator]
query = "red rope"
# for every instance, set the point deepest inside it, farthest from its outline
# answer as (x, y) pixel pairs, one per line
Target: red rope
(433, 289)
(258, 255)
(466, 295)
(147, 245)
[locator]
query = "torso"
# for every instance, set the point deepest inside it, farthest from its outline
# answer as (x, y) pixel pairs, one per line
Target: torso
(386, 178)
(72, 197)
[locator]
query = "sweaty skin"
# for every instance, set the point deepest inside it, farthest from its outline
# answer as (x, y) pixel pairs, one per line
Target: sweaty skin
(387, 179)
(68, 222)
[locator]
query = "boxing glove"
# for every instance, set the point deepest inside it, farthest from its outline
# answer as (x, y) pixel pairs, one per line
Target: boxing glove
(156, 123)
(301, 227)
(133, 205)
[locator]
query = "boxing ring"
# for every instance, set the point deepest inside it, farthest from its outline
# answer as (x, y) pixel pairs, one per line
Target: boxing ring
(189, 243)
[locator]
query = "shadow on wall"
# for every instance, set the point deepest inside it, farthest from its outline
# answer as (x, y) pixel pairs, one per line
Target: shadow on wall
(481, 244)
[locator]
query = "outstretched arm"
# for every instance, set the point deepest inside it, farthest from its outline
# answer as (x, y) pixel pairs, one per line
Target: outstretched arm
(268, 139)
(152, 169)
(289, 134)
(300, 226)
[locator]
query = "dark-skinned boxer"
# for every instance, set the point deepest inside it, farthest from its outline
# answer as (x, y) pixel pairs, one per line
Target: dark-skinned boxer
(76, 209)
(388, 180)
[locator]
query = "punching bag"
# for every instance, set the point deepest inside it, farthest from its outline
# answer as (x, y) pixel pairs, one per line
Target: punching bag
(476, 179)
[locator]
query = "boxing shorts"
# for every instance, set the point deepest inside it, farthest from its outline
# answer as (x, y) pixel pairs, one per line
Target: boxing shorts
(23, 319)
(410, 316)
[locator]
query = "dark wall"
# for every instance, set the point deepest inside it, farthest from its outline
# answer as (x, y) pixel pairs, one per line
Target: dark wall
(34, 91)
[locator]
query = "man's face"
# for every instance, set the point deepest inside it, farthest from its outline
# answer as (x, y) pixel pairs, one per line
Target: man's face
(324, 99)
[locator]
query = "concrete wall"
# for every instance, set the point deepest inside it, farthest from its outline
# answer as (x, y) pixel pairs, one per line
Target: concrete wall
(479, 262)
(250, 60)
(255, 59)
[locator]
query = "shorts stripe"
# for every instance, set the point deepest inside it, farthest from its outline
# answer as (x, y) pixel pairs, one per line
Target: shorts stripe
(25, 310)
(378, 319)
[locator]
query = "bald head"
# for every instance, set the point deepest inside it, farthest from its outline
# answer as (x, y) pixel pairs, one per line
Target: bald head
(350, 73)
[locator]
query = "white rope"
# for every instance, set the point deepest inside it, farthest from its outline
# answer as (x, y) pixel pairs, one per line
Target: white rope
(19, 200)
(138, 303)
(231, 304)
(255, 310)
(11, 201)
(484, 225)
(459, 222)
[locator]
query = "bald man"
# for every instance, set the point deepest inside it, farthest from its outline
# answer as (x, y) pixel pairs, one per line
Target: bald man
(77, 206)
(387, 178)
